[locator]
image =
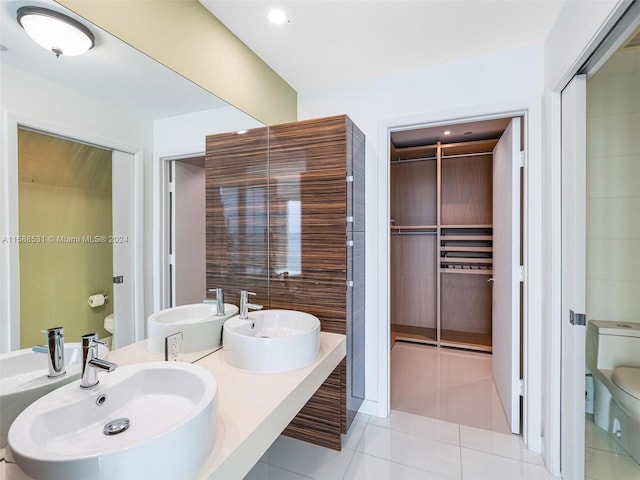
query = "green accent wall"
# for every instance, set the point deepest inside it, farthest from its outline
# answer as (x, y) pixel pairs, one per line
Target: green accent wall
(64, 195)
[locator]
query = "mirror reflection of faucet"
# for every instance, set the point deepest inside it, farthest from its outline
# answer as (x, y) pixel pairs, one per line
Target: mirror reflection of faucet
(219, 301)
(54, 350)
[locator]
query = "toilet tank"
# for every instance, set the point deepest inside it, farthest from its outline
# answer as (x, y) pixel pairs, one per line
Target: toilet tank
(612, 344)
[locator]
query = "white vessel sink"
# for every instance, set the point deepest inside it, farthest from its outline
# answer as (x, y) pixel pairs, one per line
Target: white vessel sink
(199, 323)
(171, 408)
(24, 379)
(271, 341)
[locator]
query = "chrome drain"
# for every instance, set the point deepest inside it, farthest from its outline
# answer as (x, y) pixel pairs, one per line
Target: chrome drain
(116, 426)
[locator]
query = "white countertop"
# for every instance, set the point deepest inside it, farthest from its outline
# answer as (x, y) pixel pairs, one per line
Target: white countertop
(253, 408)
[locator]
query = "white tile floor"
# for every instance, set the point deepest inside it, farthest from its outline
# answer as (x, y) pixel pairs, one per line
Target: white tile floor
(604, 458)
(404, 446)
(453, 385)
(448, 384)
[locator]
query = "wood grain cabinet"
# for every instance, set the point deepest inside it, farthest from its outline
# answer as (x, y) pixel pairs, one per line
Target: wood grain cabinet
(307, 253)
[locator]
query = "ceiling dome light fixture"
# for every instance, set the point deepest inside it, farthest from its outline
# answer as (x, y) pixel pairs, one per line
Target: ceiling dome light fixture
(277, 17)
(55, 31)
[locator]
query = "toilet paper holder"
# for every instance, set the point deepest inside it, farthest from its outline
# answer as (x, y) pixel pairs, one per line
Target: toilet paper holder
(97, 300)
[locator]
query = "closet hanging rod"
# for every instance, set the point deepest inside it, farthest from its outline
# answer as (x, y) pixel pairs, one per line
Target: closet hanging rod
(412, 232)
(414, 160)
(467, 155)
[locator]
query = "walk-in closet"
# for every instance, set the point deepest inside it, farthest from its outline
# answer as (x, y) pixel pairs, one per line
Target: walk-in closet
(455, 239)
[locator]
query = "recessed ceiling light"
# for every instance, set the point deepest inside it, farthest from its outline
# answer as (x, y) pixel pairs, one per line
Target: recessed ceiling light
(277, 16)
(447, 132)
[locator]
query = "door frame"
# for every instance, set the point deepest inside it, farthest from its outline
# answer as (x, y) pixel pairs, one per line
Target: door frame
(530, 109)
(162, 271)
(9, 255)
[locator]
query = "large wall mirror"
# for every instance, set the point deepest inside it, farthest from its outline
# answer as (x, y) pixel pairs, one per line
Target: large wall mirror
(90, 144)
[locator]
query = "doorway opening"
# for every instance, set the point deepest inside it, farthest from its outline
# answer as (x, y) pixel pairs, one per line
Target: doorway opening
(75, 239)
(455, 261)
(187, 230)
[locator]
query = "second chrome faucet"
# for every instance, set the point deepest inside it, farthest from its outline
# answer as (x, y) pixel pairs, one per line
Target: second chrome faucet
(91, 363)
(245, 305)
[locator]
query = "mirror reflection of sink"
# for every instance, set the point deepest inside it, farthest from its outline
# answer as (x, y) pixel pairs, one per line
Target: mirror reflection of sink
(24, 379)
(272, 341)
(150, 420)
(199, 323)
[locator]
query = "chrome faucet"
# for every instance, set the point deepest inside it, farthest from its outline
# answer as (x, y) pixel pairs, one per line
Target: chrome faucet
(245, 305)
(91, 362)
(219, 300)
(54, 351)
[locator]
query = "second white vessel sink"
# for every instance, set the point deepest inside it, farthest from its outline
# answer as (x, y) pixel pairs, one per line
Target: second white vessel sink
(150, 420)
(200, 324)
(271, 341)
(24, 379)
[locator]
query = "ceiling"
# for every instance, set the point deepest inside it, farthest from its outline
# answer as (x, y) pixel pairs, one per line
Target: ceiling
(460, 132)
(330, 42)
(112, 71)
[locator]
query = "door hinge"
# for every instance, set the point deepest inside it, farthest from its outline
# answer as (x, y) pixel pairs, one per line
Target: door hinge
(577, 318)
(521, 273)
(349, 178)
(522, 158)
(521, 386)
(349, 219)
(172, 186)
(118, 279)
(349, 243)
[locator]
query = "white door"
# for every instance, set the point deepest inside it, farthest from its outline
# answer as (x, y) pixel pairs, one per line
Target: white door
(506, 272)
(573, 278)
(124, 312)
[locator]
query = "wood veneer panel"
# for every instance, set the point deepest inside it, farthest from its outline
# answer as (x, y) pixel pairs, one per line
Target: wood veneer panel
(466, 303)
(237, 213)
(413, 193)
(467, 190)
(319, 421)
(414, 279)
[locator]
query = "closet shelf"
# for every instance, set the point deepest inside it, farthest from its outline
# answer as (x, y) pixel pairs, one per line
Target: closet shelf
(467, 271)
(413, 228)
(445, 227)
(446, 237)
(458, 248)
(460, 260)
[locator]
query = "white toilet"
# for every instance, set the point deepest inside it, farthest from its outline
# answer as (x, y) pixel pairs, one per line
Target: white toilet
(613, 357)
(108, 326)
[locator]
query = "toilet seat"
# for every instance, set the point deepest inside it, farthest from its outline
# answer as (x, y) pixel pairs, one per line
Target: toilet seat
(628, 380)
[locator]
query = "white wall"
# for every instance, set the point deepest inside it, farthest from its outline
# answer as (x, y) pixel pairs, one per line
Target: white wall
(580, 26)
(177, 137)
(485, 85)
(613, 196)
(35, 102)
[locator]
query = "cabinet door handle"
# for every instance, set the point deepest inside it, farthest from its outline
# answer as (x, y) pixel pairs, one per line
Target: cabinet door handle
(491, 280)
